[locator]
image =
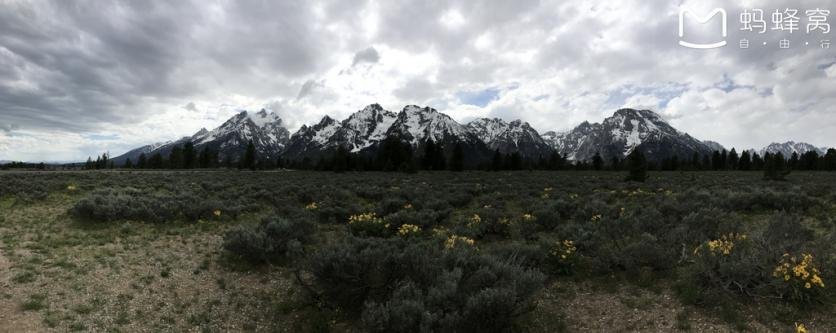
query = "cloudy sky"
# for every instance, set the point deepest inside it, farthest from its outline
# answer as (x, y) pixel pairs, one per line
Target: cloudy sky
(79, 78)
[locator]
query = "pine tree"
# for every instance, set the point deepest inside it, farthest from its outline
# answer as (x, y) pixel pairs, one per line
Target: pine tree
(156, 161)
(695, 161)
(189, 155)
(129, 164)
(775, 167)
(204, 157)
(830, 160)
(440, 161)
(341, 159)
(716, 160)
(745, 163)
(102, 161)
(457, 160)
(142, 162)
(428, 161)
(809, 160)
(757, 162)
(793, 162)
(249, 156)
(514, 161)
(89, 165)
(637, 165)
(175, 158)
(732, 160)
(615, 163)
(497, 162)
(597, 162)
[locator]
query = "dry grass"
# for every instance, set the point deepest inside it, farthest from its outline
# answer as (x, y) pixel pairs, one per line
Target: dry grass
(132, 277)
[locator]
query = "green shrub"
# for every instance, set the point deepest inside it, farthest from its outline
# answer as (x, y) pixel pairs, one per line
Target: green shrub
(116, 204)
(402, 286)
(274, 239)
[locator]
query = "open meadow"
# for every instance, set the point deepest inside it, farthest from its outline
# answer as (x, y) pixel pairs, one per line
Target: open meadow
(524, 251)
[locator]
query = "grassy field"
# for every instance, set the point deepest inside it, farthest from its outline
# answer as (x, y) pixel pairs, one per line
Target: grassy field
(305, 251)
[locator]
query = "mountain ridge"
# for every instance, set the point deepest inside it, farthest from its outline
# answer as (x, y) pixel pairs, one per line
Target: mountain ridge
(363, 131)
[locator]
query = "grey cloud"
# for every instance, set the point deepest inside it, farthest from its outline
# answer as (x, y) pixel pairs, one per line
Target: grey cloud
(8, 128)
(307, 88)
(191, 107)
(80, 65)
(85, 65)
(416, 90)
(369, 55)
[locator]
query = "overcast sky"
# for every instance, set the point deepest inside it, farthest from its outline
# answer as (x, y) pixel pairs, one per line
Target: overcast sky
(79, 78)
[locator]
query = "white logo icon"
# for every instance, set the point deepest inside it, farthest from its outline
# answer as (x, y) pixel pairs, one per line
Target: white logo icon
(702, 20)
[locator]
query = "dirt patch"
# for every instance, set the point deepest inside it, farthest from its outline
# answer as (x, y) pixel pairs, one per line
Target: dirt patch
(12, 317)
(623, 309)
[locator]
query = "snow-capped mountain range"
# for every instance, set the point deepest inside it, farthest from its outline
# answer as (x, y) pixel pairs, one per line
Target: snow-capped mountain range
(364, 130)
(229, 140)
(790, 147)
(619, 135)
(516, 136)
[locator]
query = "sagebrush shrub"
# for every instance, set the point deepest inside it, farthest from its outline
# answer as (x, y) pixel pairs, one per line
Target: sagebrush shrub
(274, 239)
(421, 286)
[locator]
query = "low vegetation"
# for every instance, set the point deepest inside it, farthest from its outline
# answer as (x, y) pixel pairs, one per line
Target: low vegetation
(429, 251)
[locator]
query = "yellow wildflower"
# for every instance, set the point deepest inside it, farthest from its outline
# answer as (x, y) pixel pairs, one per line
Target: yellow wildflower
(455, 240)
(803, 270)
(365, 217)
(816, 280)
(528, 217)
(217, 213)
(311, 206)
(71, 188)
(474, 221)
(596, 218)
(800, 328)
(564, 249)
(724, 245)
(408, 229)
(407, 206)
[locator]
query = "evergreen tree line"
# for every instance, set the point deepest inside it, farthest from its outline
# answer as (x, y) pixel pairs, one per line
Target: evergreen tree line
(396, 155)
(393, 155)
(102, 162)
(185, 156)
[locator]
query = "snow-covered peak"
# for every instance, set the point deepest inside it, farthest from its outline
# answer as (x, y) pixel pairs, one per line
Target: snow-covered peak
(623, 132)
(714, 146)
(417, 124)
(487, 129)
(263, 118)
(633, 127)
(202, 131)
(367, 126)
(790, 147)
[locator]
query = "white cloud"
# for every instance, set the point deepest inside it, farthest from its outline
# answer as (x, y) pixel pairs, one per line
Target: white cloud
(67, 74)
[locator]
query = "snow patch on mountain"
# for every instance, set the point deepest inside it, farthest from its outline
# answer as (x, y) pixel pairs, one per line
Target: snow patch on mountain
(790, 147)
